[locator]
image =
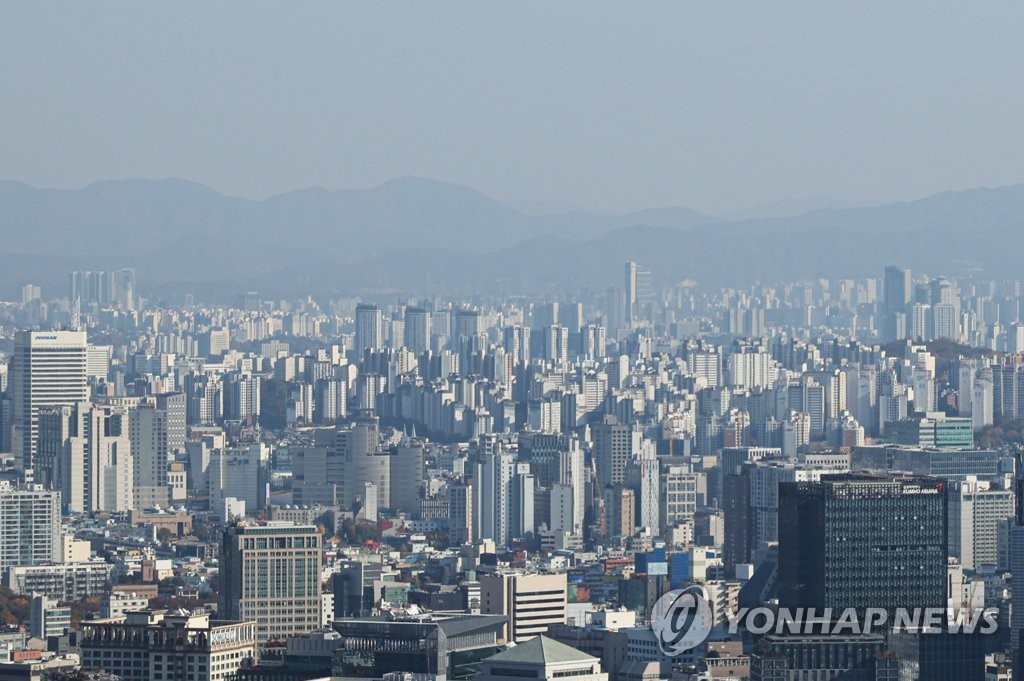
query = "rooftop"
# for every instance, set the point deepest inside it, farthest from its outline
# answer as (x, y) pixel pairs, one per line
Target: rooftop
(541, 650)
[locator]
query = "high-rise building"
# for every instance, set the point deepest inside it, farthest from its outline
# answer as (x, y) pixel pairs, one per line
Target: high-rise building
(30, 520)
(85, 452)
(614, 444)
(460, 513)
(619, 511)
(237, 473)
(897, 292)
(556, 344)
(531, 603)
(357, 458)
(48, 370)
(417, 329)
(406, 475)
(468, 324)
(517, 343)
(738, 545)
(242, 395)
(862, 541)
(104, 288)
(978, 513)
(369, 329)
(495, 494)
(270, 575)
(678, 497)
(639, 292)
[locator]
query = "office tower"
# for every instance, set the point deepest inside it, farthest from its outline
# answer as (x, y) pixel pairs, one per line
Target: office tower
(369, 329)
(104, 288)
(570, 315)
(522, 514)
(921, 322)
(897, 292)
(204, 400)
(572, 477)
(495, 473)
(30, 523)
(593, 341)
(406, 476)
(237, 473)
(556, 344)
(147, 645)
(395, 333)
(978, 514)
(156, 434)
(946, 322)
(642, 473)
(615, 311)
(460, 513)
(531, 603)
(517, 343)
(544, 315)
(738, 545)
(619, 511)
(30, 293)
(174, 407)
(215, 342)
(939, 655)
(417, 329)
(330, 401)
(352, 585)
(357, 458)
(48, 370)
(678, 495)
(1008, 390)
(638, 293)
(893, 547)
(270, 575)
(85, 452)
(97, 363)
(468, 324)
(242, 395)
(614, 443)
(706, 364)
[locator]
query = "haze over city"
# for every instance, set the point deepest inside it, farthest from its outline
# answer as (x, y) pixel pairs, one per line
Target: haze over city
(724, 107)
(574, 341)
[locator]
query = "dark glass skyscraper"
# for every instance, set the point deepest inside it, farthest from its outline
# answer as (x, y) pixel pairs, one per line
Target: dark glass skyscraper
(863, 542)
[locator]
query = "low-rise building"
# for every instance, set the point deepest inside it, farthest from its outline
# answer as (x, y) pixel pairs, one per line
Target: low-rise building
(156, 645)
(541, 658)
(63, 582)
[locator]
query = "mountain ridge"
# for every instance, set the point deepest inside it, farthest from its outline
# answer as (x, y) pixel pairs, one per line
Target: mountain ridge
(410, 230)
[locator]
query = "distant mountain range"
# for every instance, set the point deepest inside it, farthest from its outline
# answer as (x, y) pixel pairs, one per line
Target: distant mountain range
(412, 236)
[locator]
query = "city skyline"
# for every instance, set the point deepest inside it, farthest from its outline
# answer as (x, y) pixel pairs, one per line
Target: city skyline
(496, 341)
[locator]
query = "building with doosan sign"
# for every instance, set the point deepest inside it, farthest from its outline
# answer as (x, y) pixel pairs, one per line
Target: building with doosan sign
(48, 370)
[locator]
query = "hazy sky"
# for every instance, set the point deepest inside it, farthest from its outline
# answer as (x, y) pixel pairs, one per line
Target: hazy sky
(718, 105)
